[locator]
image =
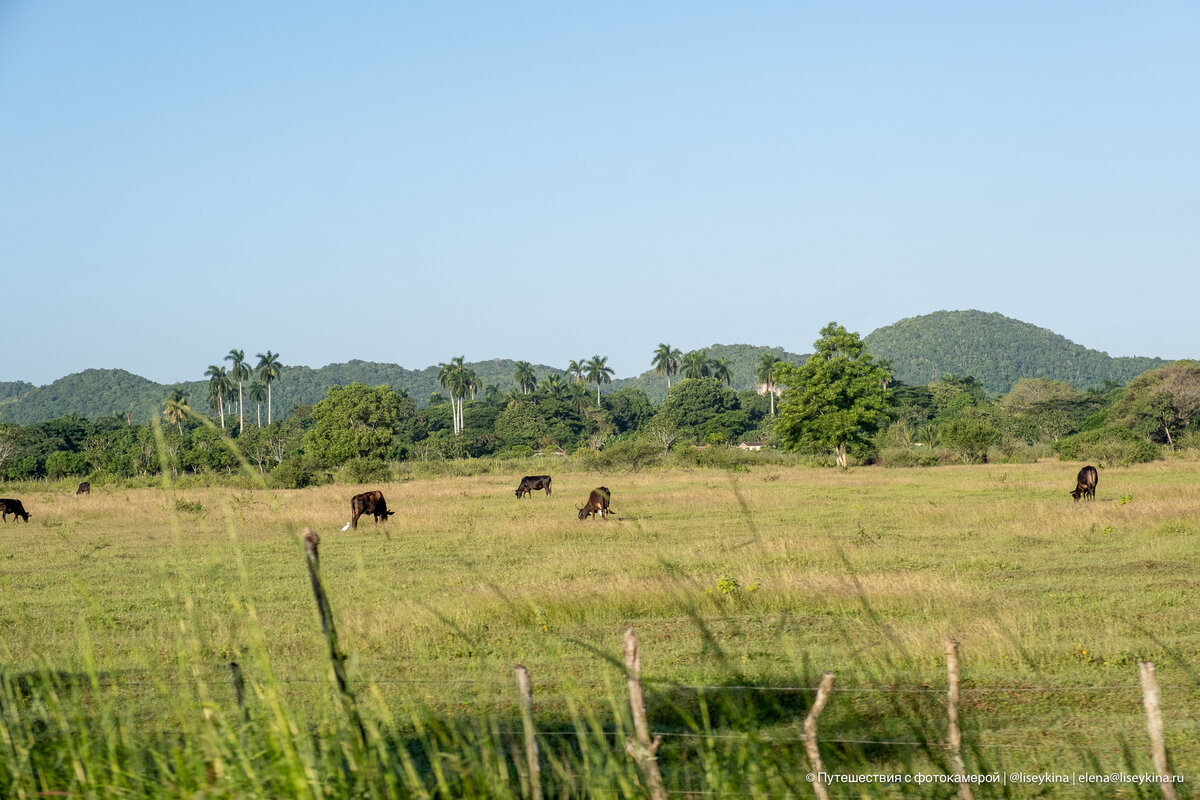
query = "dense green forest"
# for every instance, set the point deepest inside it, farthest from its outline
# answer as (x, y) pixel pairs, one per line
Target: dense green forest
(995, 350)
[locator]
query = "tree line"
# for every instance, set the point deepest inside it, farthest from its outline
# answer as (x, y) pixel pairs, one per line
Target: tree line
(841, 406)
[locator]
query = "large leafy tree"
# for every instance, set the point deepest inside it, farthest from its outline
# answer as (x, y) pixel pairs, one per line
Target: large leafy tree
(239, 371)
(1160, 401)
(269, 370)
(699, 406)
(835, 399)
(356, 421)
(598, 372)
(219, 387)
(666, 361)
(765, 374)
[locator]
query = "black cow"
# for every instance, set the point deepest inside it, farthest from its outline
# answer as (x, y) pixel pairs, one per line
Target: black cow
(84, 488)
(597, 503)
(368, 503)
(1085, 483)
(13, 507)
(531, 483)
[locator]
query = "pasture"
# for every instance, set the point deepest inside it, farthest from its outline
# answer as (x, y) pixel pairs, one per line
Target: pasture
(744, 586)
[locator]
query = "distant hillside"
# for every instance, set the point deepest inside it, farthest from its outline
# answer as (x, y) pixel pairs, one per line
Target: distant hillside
(996, 350)
(90, 394)
(993, 348)
(98, 393)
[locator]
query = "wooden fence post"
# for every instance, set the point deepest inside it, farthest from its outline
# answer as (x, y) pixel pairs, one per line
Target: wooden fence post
(810, 736)
(960, 768)
(525, 685)
(336, 656)
(1153, 702)
(645, 751)
(239, 691)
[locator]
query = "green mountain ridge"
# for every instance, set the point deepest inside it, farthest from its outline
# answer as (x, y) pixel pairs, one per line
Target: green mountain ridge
(995, 349)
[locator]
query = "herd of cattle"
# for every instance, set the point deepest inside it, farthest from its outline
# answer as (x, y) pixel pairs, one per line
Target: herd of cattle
(596, 506)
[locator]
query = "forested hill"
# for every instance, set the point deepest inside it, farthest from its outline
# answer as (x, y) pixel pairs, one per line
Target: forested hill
(996, 350)
(99, 393)
(993, 348)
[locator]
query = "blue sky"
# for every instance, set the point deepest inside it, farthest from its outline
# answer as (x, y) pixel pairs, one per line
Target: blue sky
(406, 182)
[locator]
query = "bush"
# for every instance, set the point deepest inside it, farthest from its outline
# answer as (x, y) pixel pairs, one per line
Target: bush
(908, 457)
(630, 455)
(298, 471)
(1014, 451)
(1108, 446)
(364, 470)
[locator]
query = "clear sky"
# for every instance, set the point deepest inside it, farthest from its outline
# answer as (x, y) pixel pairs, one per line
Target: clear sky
(408, 182)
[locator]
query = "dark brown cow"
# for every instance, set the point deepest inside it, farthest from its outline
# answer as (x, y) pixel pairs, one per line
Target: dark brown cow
(1085, 483)
(84, 488)
(531, 483)
(13, 507)
(368, 503)
(597, 504)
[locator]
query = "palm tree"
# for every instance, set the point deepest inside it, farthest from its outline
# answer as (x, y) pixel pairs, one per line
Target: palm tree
(269, 369)
(696, 364)
(553, 386)
(458, 380)
(175, 407)
(576, 368)
(491, 393)
(524, 378)
(598, 373)
(239, 372)
(258, 393)
(578, 396)
(218, 387)
(720, 370)
(765, 373)
(666, 361)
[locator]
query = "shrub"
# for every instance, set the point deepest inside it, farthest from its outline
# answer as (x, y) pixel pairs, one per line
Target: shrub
(298, 471)
(908, 457)
(364, 470)
(626, 454)
(1108, 446)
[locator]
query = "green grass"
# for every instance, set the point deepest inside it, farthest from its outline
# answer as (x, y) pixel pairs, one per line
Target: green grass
(125, 607)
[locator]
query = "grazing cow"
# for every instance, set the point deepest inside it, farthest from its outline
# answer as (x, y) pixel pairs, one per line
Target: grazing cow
(368, 503)
(84, 488)
(531, 483)
(1085, 483)
(13, 507)
(597, 504)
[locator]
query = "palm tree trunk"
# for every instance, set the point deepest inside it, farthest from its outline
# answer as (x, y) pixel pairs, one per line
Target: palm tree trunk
(268, 402)
(259, 419)
(771, 391)
(241, 419)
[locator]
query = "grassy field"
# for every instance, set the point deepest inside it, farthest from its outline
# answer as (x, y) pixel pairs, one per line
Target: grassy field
(127, 606)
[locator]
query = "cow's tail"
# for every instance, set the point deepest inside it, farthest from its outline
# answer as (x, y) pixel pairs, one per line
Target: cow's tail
(347, 527)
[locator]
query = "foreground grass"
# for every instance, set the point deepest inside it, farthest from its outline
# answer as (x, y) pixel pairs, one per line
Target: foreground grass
(126, 607)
